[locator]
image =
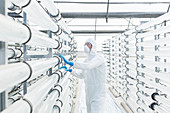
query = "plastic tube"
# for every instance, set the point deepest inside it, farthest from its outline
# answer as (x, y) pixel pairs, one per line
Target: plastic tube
(36, 12)
(20, 3)
(37, 52)
(158, 20)
(32, 97)
(18, 72)
(154, 32)
(11, 74)
(41, 39)
(13, 31)
(55, 13)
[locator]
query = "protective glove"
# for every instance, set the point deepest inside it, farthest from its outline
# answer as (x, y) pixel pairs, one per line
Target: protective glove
(67, 62)
(63, 67)
(70, 70)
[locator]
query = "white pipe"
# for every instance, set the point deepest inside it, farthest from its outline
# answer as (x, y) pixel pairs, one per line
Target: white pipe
(146, 99)
(146, 90)
(64, 37)
(11, 74)
(154, 53)
(162, 99)
(152, 42)
(42, 39)
(159, 109)
(20, 3)
(36, 12)
(145, 107)
(18, 72)
(161, 30)
(33, 97)
(37, 52)
(64, 26)
(65, 47)
(41, 66)
(161, 75)
(151, 64)
(158, 20)
(55, 13)
(49, 102)
(162, 88)
(13, 31)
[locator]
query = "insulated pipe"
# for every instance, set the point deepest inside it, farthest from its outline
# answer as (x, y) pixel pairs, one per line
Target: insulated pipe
(12, 74)
(42, 39)
(64, 36)
(21, 3)
(162, 99)
(164, 89)
(55, 13)
(32, 98)
(41, 66)
(161, 30)
(158, 20)
(15, 32)
(37, 52)
(35, 12)
(65, 47)
(19, 72)
(49, 102)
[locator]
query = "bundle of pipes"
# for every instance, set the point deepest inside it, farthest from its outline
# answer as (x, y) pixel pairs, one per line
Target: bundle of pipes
(24, 71)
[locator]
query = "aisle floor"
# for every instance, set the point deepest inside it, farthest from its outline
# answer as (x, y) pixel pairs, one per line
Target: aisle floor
(112, 107)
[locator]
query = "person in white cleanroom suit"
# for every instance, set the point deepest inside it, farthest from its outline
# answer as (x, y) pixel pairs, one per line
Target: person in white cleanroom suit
(93, 70)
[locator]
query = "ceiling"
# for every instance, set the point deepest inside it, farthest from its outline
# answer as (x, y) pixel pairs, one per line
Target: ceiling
(108, 16)
(97, 18)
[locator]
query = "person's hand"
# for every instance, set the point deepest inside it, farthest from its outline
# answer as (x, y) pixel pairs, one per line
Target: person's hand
(66, 61)
(70, 70)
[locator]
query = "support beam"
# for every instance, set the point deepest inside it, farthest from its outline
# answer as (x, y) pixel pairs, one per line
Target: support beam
(97, 32)
(112, 14)
(72, 2)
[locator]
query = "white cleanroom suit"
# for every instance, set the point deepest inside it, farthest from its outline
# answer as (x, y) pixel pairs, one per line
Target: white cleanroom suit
(93, 70)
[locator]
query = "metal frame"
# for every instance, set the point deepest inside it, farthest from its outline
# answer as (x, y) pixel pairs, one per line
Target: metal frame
(3, 58)
(97, 32)
(111, 2)
(111, 14)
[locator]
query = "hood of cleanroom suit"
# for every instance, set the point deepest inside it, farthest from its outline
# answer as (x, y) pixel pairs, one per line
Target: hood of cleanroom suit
(93, 70)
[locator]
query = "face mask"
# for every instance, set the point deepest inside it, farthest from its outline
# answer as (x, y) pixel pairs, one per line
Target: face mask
(86, 49)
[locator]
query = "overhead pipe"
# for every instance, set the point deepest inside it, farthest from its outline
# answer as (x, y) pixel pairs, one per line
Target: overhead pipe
(12, 31)
(34, 11)
(32, 100)
(23, 71)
